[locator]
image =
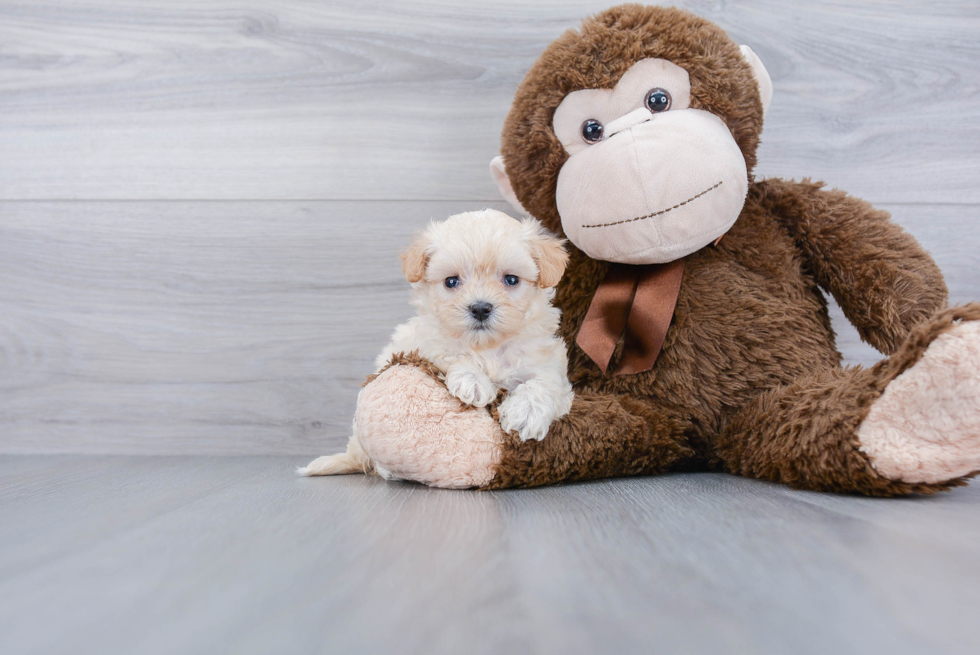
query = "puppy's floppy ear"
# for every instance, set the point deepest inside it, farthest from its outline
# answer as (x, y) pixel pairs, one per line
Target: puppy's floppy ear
(416, 258)
(547, 251)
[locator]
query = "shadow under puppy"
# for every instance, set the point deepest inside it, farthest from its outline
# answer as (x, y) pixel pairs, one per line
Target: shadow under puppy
(483, 283)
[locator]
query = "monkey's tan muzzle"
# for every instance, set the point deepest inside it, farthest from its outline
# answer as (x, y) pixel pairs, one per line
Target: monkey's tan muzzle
(655, 189)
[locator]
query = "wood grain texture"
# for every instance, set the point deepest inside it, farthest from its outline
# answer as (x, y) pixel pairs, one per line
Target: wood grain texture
(176, 327)
(380, 100)
(237, 327)
(147, 555)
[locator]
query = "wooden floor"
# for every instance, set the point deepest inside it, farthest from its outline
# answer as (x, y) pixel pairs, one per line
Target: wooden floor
(201, 205)
(115, 554)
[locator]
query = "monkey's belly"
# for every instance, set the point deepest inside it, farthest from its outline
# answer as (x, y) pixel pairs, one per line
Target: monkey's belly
(736, 332)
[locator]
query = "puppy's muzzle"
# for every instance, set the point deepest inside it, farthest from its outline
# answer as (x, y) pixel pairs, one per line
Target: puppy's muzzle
(481, 311)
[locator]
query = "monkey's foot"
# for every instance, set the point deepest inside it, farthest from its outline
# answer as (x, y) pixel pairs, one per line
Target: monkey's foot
(925, 427)
(414, 429)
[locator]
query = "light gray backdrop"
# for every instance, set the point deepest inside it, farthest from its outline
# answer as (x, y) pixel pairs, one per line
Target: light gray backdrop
(201, 202)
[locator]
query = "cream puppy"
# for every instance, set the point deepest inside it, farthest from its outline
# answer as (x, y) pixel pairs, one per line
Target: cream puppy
(483, 284)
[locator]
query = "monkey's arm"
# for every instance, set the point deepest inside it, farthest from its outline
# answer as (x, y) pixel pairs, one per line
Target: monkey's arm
(412, 427)
(885, 282)
(603, 436)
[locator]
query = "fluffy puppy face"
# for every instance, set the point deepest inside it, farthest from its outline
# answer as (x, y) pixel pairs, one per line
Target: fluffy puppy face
(485, 276)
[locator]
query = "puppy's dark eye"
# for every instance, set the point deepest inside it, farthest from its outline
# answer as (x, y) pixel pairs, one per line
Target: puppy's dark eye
(657, 100)
(452, 282)
(592, 131)
(511, 280)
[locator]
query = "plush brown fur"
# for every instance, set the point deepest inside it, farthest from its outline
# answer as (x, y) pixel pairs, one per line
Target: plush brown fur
(749, 379)
(595, 57)
(804, 433)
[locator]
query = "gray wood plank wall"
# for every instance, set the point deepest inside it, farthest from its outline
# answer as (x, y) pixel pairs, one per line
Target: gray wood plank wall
(201, 202)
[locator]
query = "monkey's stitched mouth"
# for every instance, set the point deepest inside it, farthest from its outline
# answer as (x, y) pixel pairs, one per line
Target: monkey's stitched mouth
(658, 213)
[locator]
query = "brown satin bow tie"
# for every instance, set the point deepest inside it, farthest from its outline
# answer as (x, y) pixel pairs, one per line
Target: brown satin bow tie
(637, 304)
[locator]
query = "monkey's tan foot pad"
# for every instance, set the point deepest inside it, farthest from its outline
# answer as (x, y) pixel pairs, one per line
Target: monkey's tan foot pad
(414, 429)
(925, 427)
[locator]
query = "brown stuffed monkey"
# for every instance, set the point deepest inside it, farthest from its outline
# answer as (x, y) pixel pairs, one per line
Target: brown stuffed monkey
(697, 330)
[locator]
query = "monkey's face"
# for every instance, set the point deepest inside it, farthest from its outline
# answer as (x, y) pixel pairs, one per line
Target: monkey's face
(635, 136)
(648, 179)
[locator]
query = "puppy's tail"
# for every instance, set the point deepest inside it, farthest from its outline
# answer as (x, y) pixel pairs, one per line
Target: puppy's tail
(355, 460)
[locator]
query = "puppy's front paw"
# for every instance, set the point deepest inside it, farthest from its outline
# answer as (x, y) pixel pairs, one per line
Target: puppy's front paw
(471, 386)
(527, 413)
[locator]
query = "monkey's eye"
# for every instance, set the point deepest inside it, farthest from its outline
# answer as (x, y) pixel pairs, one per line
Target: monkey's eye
(511, 280)
(592, 131)
(658, 100)
(452, 282)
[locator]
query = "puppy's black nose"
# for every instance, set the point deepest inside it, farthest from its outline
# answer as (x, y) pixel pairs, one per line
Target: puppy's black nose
(481, 310)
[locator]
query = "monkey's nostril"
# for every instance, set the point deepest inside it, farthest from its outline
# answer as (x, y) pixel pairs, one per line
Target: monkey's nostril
(481, 310)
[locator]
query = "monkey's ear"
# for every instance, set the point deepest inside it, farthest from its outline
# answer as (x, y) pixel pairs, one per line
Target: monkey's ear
(761, 77)
(548, 252)
(499, 174)
(416, 258)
